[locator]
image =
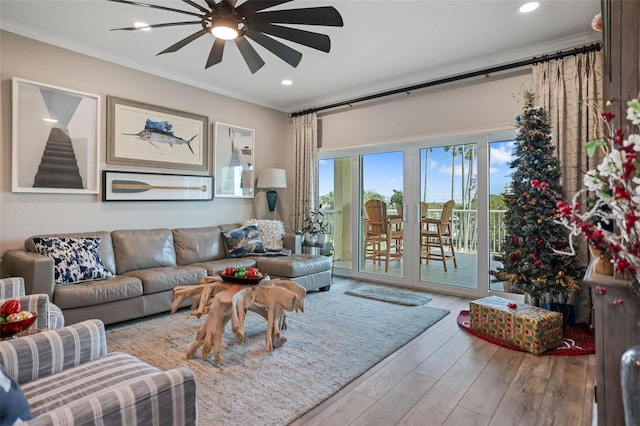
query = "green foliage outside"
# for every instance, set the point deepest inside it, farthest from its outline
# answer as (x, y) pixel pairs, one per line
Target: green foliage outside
(327, 201)
(396, 198)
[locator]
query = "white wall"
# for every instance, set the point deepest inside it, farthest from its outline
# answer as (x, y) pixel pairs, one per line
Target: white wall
(25, 214)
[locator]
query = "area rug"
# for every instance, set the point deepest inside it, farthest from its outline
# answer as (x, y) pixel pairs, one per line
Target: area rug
(336, 339)
(576, 340)
(390, 294)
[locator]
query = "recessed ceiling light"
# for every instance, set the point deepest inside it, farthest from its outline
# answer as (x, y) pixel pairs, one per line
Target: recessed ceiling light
(50, 120)
(529, 7)
(142, 25)
(286, 82)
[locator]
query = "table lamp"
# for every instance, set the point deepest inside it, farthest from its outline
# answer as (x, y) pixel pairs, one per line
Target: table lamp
(271, 179)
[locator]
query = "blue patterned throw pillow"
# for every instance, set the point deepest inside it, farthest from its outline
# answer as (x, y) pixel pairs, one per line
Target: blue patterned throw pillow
(14, 408)
(243, 241)
(74, 259)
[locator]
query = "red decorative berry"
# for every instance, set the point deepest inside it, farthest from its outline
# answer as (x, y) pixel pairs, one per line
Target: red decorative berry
(512, 305)
(601, 290)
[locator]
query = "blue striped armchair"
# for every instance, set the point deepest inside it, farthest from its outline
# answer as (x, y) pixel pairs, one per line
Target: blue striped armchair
(49, 315)
(68, 377)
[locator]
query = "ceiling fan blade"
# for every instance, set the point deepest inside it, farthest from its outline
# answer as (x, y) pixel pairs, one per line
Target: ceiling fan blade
(327, 16)
(182, 43)
(251, 57)
(282, 51)
(196, 5)
(253, 6)
(168, 24)
(307, 38)
(155, 6)
(215, 56)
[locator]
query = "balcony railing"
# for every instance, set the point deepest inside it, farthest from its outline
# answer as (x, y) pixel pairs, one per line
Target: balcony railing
(465, 233)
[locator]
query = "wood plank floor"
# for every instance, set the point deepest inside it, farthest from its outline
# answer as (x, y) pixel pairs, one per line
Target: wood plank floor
(446, 376)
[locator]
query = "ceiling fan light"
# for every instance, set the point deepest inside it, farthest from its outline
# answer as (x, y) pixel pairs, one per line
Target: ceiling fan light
(224, 27)
(142, 26)
(529, 7)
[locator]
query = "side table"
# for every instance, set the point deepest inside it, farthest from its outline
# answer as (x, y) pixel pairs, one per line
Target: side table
(324, 249)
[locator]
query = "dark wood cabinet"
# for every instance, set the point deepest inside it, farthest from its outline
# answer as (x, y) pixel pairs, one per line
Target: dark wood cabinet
(617, 328)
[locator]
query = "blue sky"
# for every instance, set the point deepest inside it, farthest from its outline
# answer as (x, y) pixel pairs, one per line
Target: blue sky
(382, 173)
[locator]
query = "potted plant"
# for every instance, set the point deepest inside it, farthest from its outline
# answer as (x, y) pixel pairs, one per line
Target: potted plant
(315, 229)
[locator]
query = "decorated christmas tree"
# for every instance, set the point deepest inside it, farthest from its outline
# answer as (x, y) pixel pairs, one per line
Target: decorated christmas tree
(529, 263)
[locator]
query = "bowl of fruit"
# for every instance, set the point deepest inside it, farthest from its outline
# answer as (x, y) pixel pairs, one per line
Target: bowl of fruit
(241, 275)
(14, 320)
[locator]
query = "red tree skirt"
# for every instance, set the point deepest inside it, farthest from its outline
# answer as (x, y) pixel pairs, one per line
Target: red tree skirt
(575, 341)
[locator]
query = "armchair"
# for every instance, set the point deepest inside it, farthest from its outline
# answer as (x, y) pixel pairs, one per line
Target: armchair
(49, 315)
(67, 377)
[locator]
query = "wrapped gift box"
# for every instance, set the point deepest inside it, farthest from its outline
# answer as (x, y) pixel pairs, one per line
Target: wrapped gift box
(530, 328)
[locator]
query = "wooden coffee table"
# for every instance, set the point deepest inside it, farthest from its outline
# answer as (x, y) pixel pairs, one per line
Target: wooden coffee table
(222, 301)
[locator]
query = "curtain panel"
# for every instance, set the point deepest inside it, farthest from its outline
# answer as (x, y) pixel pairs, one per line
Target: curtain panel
(570, 89)
(305, 142)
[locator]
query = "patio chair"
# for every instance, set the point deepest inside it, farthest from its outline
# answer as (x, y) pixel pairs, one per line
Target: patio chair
(436, 235)
(385, 234)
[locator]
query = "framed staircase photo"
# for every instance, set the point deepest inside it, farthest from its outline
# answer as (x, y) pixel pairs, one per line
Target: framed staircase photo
(55, 139)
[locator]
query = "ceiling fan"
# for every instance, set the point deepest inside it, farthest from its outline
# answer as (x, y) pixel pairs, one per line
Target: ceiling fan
(226, 21)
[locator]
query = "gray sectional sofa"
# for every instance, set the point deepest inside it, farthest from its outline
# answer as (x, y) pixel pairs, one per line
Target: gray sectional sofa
(146, 264)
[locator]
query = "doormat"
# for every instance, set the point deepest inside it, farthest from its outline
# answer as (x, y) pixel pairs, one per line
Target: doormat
(575, 339)
(390, 294)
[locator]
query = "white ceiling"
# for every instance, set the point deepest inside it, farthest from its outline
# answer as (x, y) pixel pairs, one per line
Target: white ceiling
(424, 40)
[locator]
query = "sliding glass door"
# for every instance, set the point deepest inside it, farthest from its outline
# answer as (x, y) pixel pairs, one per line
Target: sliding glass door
(449, 215)
(336, 202)
(443, 202)
(381, 247)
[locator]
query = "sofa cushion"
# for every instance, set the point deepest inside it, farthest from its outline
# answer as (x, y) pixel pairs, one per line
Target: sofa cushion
(74, 259)
(243, 241)
(143, 249)
(293, 266)
(271, 232)
(198, 244)
(97, 292)
(49, 393)
(13, 404)
(105, 250)
(155, 280)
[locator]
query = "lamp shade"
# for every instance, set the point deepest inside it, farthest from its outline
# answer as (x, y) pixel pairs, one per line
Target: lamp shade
(272, 178)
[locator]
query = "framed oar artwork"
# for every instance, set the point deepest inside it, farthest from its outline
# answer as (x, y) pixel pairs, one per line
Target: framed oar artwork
(133, 186)
(153, 136)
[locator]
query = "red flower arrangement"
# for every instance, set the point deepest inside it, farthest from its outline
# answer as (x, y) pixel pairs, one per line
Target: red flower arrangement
(615, 184)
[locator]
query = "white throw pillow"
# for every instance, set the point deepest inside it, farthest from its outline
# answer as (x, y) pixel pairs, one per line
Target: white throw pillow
(271, 232)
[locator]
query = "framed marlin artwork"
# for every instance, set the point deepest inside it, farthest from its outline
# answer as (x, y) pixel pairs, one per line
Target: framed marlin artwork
(55, 139)
(152, 136)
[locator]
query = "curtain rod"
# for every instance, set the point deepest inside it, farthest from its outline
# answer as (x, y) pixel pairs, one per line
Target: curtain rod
(458, 77)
